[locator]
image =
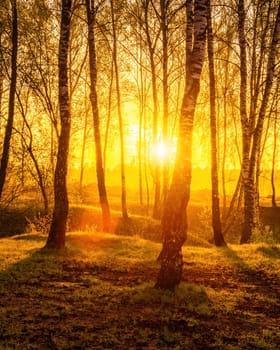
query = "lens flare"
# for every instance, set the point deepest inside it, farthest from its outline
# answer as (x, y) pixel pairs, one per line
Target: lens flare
(160, 151)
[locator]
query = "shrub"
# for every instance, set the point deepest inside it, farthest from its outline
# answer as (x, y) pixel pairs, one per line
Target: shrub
(263, 235)
(41, 223)
(13, 221)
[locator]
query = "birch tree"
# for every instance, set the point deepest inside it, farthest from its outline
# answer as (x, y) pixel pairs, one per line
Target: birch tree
(118, 91)
(56, 238)
(252, 126)
(216, 216)
(174, 220)
(10, 119)
(91, 12)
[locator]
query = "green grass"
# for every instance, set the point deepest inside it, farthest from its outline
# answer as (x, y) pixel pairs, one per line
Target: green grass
(98, 294)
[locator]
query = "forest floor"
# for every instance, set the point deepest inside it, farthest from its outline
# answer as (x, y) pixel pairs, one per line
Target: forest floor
(98, 294)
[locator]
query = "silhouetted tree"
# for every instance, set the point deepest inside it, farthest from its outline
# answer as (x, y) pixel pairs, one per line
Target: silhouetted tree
(27, 143)
(252, 128)
(10, 120)
(216, 216)
(151, 43)
(118, 91)
(56, 238)
(174, 220)
(90, 6)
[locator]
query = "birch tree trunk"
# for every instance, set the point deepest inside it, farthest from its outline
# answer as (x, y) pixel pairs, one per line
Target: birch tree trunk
(10, 121)
(95, 111)
(81, 179)
(216, 216)
(248, 214)
(174, 220)
(109, 112)
(116, 66)
(1, 71)
(275, 144)
(151, 49)
(164, 4)
(56, 238)
(272, 176)
(142, 103)
(250, 190)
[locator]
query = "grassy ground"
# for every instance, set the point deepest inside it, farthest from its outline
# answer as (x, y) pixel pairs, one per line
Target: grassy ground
(98, 294)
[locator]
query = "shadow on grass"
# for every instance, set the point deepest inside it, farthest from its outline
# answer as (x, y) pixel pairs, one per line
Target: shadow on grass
(270, 252)
(33, 301)
(258, 278)
(49, 306)
(231, 255)
(39, 265)
(191, 297)
(30, 237)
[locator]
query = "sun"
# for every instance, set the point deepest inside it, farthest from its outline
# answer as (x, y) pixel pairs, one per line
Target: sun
(160, 151)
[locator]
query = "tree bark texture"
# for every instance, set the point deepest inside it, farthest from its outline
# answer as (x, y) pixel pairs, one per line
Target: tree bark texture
(174, 220)
(250, 190)
(246, 139)
(116, 66)
(151, 50)
(1, 72)
(272, 176)
(12, 93)
(95, 111)
(216, 215)
(56, 238)
(164, 5)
